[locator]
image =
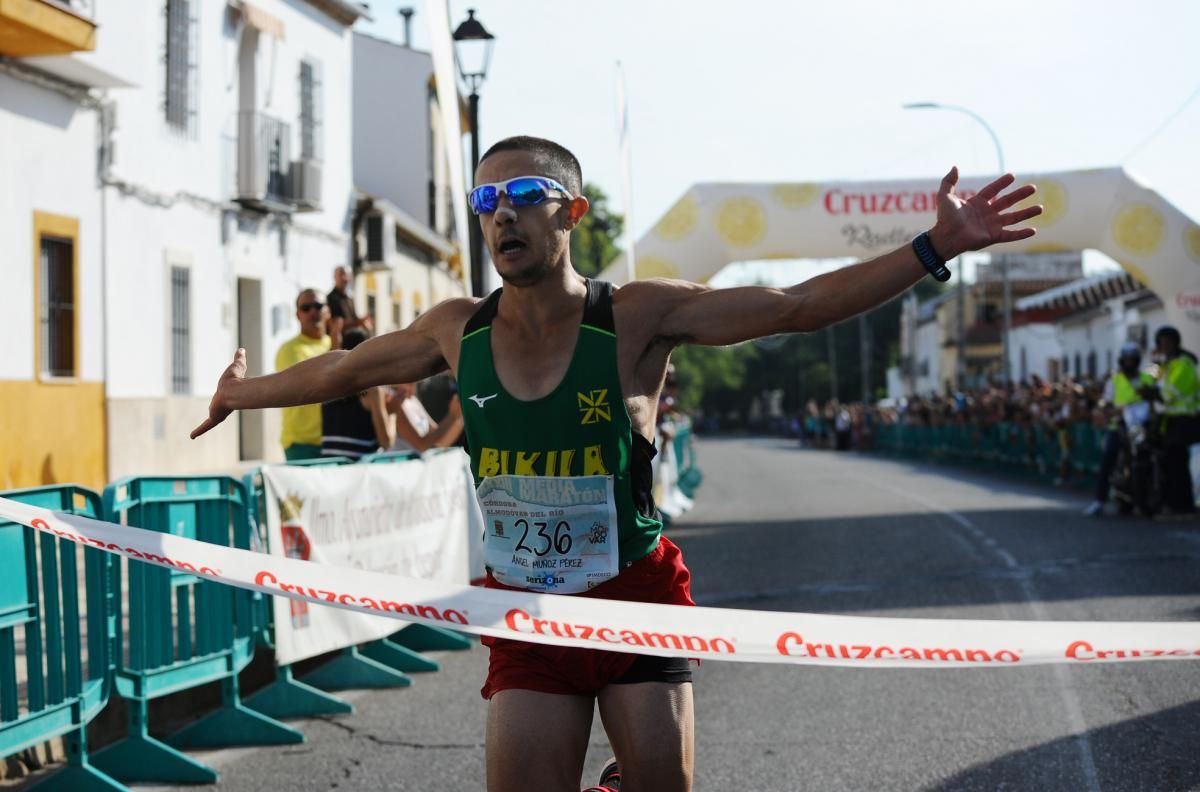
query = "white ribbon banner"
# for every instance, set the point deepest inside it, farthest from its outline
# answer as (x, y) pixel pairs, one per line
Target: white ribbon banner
(665, 630)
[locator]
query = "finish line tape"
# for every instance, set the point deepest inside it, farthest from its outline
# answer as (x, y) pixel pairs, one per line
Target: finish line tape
(664, 630)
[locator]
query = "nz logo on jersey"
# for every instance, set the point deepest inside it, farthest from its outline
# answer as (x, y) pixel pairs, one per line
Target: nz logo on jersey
(594, 406)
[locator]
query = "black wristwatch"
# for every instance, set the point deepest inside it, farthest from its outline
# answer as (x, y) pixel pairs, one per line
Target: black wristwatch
(929, 258)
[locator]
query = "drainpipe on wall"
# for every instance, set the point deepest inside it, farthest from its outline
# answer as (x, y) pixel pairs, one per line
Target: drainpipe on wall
(106, 122)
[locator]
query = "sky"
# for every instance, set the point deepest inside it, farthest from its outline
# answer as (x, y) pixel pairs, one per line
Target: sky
(767, 90)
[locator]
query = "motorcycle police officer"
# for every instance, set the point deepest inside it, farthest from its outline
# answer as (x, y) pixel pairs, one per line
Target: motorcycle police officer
(1180, 394)
(1124, 388)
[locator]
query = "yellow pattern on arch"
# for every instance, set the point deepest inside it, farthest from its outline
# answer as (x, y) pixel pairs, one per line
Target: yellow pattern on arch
(679, 221)
(741, 221)
(1139, 228)
(656, 267)
(1052, 196)
(1191, 242)
(796, 196)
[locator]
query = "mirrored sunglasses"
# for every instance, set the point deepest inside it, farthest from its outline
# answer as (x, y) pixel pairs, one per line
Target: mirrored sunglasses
(521, 191)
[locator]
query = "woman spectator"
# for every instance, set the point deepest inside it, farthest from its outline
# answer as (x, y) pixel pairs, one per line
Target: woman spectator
(355, 425)
(415, 428)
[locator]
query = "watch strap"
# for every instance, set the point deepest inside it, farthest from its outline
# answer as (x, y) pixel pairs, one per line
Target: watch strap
(934, 264)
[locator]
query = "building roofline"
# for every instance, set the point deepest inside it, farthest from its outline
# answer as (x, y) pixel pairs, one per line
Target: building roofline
(1083, 293)
(391, 43)
(342, 11)
(409, 224)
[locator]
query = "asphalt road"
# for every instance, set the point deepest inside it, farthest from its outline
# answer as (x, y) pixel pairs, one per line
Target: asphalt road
(777, 528)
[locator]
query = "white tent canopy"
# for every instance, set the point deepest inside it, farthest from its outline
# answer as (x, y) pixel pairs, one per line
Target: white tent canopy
(713, 225)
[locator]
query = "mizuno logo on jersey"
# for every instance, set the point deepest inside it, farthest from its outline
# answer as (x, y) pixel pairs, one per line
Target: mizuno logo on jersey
(482, 400)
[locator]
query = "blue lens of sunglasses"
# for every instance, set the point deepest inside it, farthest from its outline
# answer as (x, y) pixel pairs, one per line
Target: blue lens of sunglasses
(525, 192)
(521, 192)
(483, 199)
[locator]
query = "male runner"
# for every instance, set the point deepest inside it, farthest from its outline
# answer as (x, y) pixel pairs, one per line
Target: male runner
(560, 377)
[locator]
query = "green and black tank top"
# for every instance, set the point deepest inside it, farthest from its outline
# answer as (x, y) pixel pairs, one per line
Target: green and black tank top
(581, 428)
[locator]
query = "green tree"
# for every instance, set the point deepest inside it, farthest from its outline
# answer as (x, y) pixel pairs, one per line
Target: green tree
(594, 240)
(711, 378)
(723, 380)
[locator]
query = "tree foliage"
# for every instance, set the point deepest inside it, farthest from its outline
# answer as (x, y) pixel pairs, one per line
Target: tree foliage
(712, 377)
(594, 240)
(724, 380)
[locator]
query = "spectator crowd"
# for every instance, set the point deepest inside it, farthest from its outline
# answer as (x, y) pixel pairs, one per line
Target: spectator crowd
(1046, 422)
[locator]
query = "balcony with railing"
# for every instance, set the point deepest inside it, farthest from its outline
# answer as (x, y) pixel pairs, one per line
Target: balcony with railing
(261, 161)
(259, 171)
(46, 27)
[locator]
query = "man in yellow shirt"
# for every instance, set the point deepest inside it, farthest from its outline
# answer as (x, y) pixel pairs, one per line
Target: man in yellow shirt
(301, 436)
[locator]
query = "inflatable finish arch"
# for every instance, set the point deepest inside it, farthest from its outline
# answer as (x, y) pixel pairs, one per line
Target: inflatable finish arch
(1105, 209)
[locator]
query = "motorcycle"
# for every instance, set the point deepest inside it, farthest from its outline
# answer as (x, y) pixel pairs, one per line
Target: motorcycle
(1137, 480)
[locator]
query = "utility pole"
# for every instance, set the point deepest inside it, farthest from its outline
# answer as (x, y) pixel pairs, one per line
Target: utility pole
(910, 360)
(1007, 320)
(864, 356)
(960, 355)
(961, 364)
(833, 377)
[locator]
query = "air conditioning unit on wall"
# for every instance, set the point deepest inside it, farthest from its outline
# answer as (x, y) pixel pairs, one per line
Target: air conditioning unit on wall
(304, 178)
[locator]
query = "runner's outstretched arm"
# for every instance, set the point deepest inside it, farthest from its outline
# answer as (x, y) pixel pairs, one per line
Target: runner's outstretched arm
(701, 315)
(407, 355)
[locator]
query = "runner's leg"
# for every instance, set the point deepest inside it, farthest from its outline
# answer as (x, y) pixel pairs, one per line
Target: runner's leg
(537, 741)
(651, 726)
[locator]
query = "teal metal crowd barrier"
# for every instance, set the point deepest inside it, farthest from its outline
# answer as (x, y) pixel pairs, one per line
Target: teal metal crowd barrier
(286, 697)
(690, 476)
(1046, 453)
(183, 631)
(65, 686)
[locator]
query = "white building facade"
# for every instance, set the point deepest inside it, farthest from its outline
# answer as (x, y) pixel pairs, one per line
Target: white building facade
(1096, 317)
(205, 172)
(52, 416)
(406, 256)
(211, 221)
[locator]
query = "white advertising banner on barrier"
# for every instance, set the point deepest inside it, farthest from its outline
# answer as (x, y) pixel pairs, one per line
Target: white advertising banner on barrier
(416, 519)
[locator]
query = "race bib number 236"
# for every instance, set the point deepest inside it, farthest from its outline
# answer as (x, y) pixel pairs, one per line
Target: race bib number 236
(550, 534)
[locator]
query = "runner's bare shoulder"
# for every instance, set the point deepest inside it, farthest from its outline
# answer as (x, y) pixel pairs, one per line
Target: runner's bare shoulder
(444, 322)
(642, 304)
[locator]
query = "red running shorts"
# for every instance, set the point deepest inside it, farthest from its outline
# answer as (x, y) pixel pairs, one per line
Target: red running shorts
(658, 577)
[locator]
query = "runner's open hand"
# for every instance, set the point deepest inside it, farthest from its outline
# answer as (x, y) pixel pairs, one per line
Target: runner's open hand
(217, 411)
(982, 219)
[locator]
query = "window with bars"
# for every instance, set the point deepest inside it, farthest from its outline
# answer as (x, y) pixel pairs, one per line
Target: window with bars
(57, 291)
(179, 101)
(181, 331)
(311, 110)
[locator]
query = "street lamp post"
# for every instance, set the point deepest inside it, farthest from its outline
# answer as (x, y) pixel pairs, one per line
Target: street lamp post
(474, 51)
(961, 363)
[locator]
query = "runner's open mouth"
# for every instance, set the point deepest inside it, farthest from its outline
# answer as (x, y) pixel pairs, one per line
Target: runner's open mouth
(511, 245)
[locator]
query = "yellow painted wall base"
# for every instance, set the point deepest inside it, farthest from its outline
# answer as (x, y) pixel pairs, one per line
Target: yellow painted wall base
(52, 434)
